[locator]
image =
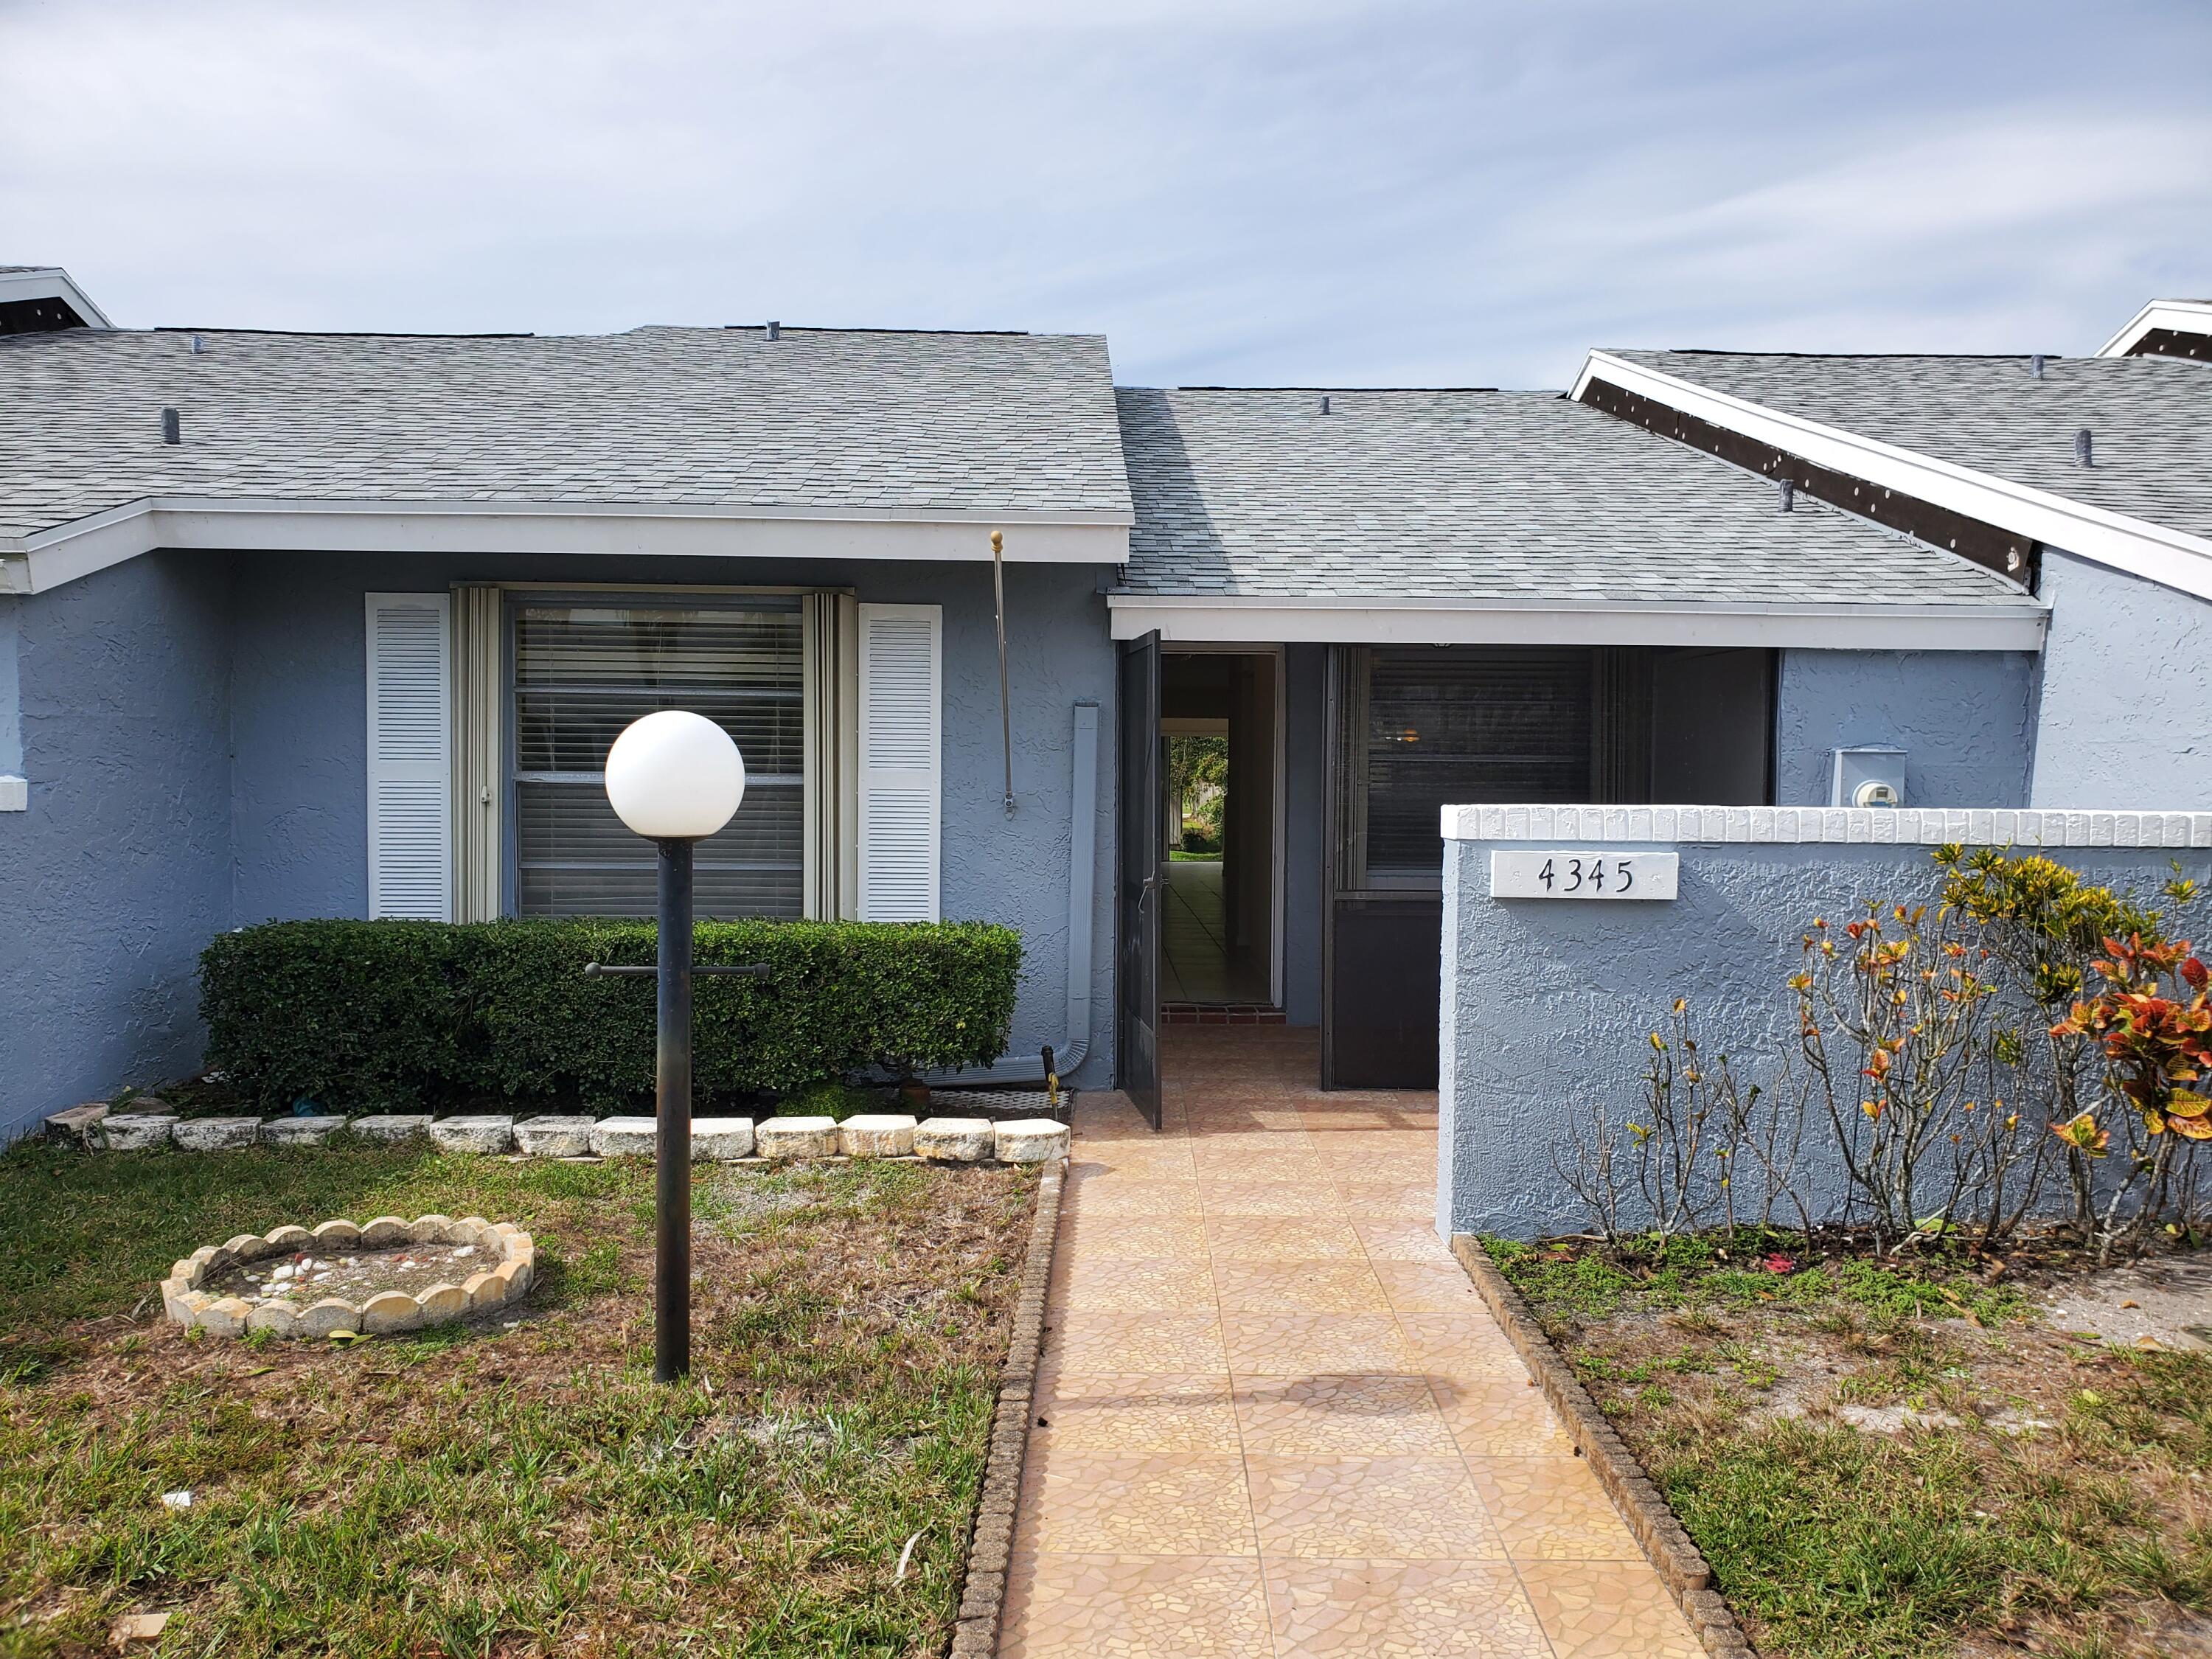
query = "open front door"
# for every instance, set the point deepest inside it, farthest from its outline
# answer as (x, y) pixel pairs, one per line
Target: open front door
(1139, 898)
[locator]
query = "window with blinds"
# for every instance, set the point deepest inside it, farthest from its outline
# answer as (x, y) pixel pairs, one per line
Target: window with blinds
(582, 672)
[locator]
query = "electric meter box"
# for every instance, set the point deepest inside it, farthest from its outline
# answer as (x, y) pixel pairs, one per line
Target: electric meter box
(1873, 775)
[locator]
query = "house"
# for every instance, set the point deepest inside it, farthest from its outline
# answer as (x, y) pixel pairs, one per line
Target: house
(301, 625)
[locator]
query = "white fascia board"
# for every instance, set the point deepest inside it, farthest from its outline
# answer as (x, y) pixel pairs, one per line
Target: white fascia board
(2172, 557)
(2181, 316)
(2017, 625)
(51, 282)
(48, 558)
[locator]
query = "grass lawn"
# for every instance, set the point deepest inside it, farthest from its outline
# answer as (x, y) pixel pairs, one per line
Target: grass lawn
(2049, 1494)
(498, 1488)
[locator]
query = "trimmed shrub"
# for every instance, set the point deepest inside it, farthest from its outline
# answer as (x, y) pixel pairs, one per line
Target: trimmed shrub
(394, 1013)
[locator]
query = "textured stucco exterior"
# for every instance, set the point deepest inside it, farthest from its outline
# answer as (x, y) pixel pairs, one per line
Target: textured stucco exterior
(194, 729)
(1548, 1004)
(2121, 692)
(118, 872)
(1962, 718)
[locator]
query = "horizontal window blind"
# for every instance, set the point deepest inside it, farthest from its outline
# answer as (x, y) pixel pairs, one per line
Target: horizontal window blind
(582, 672)
(1468, 724)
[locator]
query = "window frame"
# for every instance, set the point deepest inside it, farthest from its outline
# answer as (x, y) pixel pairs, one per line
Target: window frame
(516, 597)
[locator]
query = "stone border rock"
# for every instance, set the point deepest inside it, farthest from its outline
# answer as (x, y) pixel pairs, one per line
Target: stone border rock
(991, 1543)
(716, 1139)
(1680, 1564)
(184, 1301)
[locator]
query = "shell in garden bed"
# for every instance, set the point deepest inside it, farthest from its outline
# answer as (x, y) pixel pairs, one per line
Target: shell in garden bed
(218, 1288)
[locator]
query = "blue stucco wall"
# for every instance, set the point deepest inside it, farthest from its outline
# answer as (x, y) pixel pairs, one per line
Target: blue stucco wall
(119, 871)
(2122, 691)
(298, 692)
(1548, 1004)
(1963, 718)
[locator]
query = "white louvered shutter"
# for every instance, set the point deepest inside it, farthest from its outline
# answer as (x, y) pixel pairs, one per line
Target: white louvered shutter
(900, 731)
(410, 843)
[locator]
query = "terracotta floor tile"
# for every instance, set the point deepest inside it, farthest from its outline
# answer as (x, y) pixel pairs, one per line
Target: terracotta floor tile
(1131, 1194)
(1428, 1286)
(1118, 1343)
(1261, 1166)
(1222, 1195)
(1133, 1285)
(1403, 1241)
(1135, 1606)
(1280, 1238)
(1500, 1417)
(1597, 1610)
(1552, 1509)
(1128, 1235)
(1134, 1414)
(1346, 1284)
(1308, 1343)
(1460, 1344)
(1399, 1508)
(1340, 1609)
(1170, 1504)
(1391, 1201)
(1338, 1416)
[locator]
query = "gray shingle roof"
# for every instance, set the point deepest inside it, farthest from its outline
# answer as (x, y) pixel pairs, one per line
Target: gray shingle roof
(824, 419)
(1484, 495)
(2151, 417)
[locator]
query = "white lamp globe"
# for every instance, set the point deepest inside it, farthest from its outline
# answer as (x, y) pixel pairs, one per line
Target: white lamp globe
(675, 775)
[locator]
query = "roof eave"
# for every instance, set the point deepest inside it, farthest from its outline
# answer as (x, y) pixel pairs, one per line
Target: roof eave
(1999, 624)
(2155, 552)
(48, 558)
(2183, 316)
(51, 282)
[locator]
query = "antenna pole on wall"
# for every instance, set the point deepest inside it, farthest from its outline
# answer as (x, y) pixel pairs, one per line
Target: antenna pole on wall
(1005, 708)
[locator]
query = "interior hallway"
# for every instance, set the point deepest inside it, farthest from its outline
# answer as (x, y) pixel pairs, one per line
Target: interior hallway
(1195, 964)
(1274, 1419)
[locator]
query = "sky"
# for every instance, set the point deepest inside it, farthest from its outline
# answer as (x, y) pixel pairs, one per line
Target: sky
(1234, 191)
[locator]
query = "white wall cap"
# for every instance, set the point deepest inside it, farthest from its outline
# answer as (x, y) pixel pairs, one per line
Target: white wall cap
(1788, 825)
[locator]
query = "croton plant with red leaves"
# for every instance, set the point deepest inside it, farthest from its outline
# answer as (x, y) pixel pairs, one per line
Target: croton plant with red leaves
(2154, 1021)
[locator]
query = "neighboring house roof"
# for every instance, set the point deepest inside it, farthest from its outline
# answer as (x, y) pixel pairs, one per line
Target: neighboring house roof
(2149, 418)
(1467, 499)
(2166, 328)
(1981, 435)
(35, 298)
(709, 422)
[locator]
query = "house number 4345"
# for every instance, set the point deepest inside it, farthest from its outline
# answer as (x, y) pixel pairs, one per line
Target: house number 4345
(1582, 873)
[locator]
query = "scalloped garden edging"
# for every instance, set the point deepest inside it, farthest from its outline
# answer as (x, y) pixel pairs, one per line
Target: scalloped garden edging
(185, 1300)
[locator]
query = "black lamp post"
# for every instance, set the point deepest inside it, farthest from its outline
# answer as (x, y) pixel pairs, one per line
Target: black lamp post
(674, 777)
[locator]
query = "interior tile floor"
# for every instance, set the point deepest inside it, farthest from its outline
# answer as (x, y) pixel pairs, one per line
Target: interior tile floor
(1273, 1417)
(1195, 960)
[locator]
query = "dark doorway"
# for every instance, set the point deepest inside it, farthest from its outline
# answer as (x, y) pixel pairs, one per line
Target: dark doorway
(1220, 870)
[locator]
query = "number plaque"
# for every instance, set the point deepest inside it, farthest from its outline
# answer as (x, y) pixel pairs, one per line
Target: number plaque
(1583, 873)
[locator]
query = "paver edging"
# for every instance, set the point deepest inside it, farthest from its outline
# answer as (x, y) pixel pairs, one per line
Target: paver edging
(991, 1541)
(1681, 1566)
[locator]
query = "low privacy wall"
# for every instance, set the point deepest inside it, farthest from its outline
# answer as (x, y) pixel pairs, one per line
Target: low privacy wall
(1548, 1003)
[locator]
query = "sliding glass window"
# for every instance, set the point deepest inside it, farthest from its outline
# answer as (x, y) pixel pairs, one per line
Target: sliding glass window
(584, 671)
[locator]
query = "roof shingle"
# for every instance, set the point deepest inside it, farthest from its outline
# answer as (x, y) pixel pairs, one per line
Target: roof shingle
(821, 419)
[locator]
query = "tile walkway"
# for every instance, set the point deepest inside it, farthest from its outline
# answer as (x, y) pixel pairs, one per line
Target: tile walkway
(1273, 1417)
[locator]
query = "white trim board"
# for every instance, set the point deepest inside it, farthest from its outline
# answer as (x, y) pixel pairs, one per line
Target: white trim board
(48, 558)
(2015, 625)
(2172, 558)
(2181, 316)
(1846, 825)
(51, 282)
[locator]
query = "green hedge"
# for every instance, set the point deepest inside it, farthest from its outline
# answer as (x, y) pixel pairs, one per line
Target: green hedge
(390, 1014)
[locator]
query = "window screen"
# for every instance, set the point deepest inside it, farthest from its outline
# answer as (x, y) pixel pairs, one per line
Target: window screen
(582, 672)
(1464, 724)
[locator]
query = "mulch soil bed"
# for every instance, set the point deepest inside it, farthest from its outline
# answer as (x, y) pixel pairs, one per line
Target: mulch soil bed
(1885, 1460)
(513, 1483)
